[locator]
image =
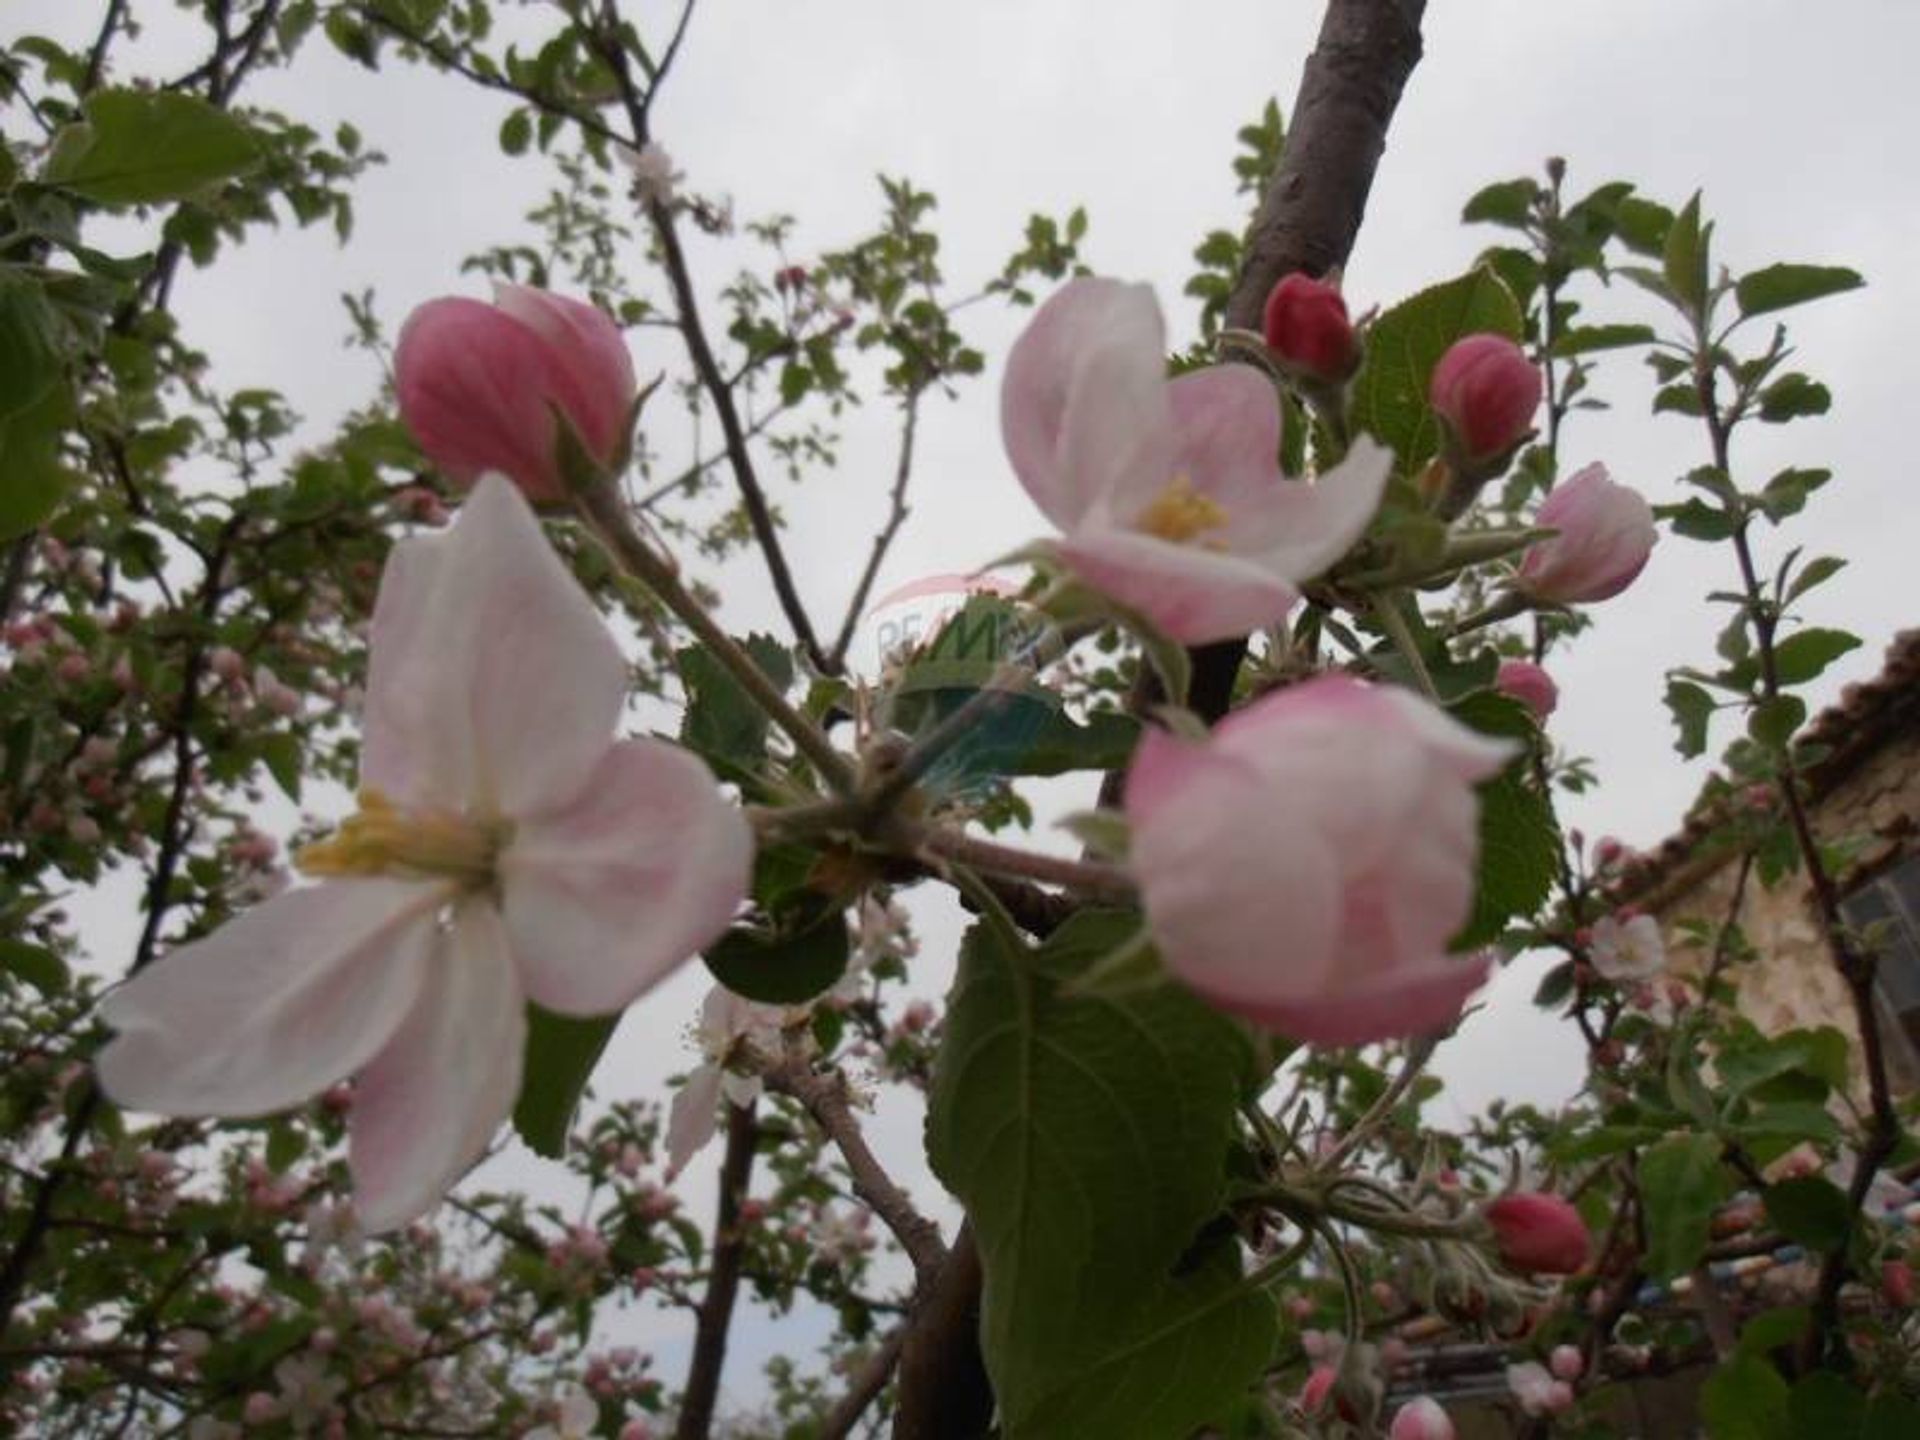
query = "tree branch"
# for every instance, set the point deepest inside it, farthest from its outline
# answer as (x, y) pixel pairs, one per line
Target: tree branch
(723, 1279)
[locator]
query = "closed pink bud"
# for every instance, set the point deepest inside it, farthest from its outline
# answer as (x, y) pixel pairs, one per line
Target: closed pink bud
(480, 385)
(1421, 1418)
(1539, 1234)
(1896, 1281)
(1567, 1363)
(1606, 532)
(1306, 327)
(1486, 390)
(1529, 684)
(1319, 1385)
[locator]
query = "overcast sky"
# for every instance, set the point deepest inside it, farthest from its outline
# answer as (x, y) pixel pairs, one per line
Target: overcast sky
(1797, 128)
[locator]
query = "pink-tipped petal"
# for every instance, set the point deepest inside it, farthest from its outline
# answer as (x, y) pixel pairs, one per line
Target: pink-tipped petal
(426, 1107)
(1394, 1004)
(693, 1117)
(493, 683)
(611, 892)
(273, 1007)
(1188, 593)
(1299, 528)
(473, 385)
(1083, 409)
(589, 359)
(1226, 421)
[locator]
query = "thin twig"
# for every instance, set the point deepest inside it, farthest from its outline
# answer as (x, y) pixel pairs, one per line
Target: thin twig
(896, 517)
(715, 1316)
(866, 1386)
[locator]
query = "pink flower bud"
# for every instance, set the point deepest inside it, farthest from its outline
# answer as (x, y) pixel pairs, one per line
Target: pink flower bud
(73, 668)
(1529, 684)
(274, 694)
(261, 1409)
(1896, 1281)
(1319, 1385)
(1307, 329)
(1567, 1363)
(1421, 1418)
(1538, 1233)
(1486, 390)
(227, 663)
(479, 385)
(1606, 532)
(792, 277)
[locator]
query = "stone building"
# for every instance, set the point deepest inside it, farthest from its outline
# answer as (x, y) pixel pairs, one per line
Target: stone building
(1862, 775)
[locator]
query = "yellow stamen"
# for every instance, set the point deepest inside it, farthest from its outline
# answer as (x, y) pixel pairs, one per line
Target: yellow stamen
(1179, 512)
(382, 839)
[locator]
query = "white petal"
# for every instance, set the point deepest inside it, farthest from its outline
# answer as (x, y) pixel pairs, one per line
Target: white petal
(273, 1007)
(493, 683)
(1298, 528)
(692, 1119)
(609, 894)
(426, 1107)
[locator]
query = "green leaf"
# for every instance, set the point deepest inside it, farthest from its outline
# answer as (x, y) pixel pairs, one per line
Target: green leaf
(1697, 520)
(1643, 224)
(29, 345)
(1811, 1210)
(1584, 340)
(137, 147)
(33, 481)
(1890, 1416)
(35, 964)
(1519, 849)
(281, 754)
(1774, 722)
(1815, 572)
(1506, 202)
(1786, 494)
(1778, 286)
(286, 1143)
(1087, 1138)
(788, 964)
(516, 132)
(1824, 1406)
(1683, 260)
(1745, 1399)
(1792, 396)
(1555, 986)
(1681, 1183)
(1803, 655)
(561, 1053)
(1692, 708)
(722, 723)
(1403, 346)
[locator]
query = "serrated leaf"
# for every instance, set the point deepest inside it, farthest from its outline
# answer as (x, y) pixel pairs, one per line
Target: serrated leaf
(1803, 655)
(1786, 493)
(1778, 286)
(1745, 1399)
(1774, 722)
(1815, 572)
(1087, 1138)
(1692, 708)
(1697, 520)
(1792, 396)
(722, 723)
(1403, 346)
(560, 1054)
(1681, 1184)
(1683, 259)
(138, 147)
(1505, 202)
(1519, 843)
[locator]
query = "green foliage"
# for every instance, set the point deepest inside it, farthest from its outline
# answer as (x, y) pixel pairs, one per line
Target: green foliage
(722, 723)
(1087, 1137)
(1745, 1399)
(1403, 346)
(561, 1052)
(138, 148)
(1519, 841)
(1681, 1184)
(1779, 286)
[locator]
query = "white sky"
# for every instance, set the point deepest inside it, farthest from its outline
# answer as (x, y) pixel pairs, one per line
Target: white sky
(1798, 127)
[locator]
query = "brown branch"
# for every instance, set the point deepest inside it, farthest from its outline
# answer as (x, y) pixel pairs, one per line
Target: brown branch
(825, 1097)
(896, 517)
(715, 1316)
(944, 1390)
(867, 1384)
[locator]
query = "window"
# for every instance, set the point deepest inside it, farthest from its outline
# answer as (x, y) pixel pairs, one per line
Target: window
(1891, 903)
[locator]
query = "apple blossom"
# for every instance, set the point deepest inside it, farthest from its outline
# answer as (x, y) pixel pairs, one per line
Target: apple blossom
(726, 1020)
(1169, 493)
(1567, 1363)
(1421, 1418)
(1486, 391)
(1627, 947)
(1537, 1392)
(577, 1417)
(1539, 1233)
(507, 848)
(1306, 327)
(1532, 686)
(486, 387)
(1305, 865)
(1606, 532)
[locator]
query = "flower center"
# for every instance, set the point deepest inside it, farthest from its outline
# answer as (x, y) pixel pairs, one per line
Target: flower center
(382, 839)
(1179, 512)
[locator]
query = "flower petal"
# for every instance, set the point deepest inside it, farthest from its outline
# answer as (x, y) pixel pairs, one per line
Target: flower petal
(693, 1117)
(1188, 593)
(426, 1107)
(592, 369)
(1083, 408)
(1297, 528)
(472, 385)
(273, 1007)
(1416, 1000)
(493, 684)
(1226, 420)
(604, 896)
(1239, 920)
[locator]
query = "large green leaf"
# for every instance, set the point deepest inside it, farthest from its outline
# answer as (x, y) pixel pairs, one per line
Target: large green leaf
(560, 1054)
(29, 344)
(1519, 841)
(1403, 346)
(33, 481)
(137, 147)
(1087, 1136)
(1680, 1184)
(723, 723)
(1778, 286)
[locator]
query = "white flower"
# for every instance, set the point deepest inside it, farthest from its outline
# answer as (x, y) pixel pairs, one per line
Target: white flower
(507, 848)
(579, 1417)
(1628, 950)
(306, 1390)
(654, 177)
(726, 1020)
